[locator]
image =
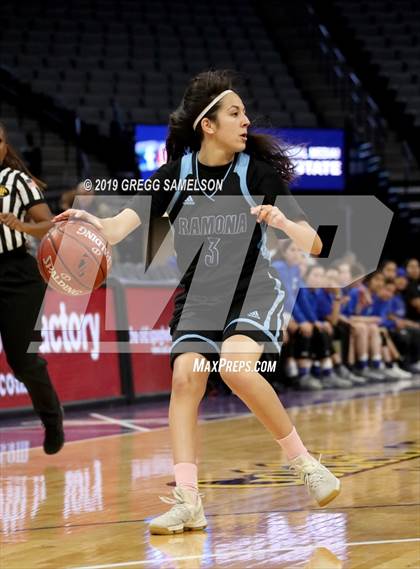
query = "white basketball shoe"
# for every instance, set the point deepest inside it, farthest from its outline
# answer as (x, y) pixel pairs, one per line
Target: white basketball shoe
(186, 514)
(321, 484)
(323, 558)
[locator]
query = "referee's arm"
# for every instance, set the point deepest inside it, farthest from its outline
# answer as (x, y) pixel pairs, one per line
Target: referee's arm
(33, 206)
(40, 215)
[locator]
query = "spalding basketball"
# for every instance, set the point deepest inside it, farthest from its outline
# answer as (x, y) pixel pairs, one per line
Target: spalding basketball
(74, 257)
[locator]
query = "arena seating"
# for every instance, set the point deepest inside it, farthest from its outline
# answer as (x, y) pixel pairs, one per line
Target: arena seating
(390, 36)
(383, 44)
(109, 58)
(321, 68)
(88, 57)
(58, 156)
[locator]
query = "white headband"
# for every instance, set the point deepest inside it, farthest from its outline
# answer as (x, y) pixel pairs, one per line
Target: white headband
(209, 106)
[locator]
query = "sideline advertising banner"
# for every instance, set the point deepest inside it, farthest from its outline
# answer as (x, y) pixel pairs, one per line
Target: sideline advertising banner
(71, 345)
(150, 344)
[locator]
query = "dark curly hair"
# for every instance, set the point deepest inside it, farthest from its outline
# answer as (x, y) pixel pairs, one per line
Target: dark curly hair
(201, 90)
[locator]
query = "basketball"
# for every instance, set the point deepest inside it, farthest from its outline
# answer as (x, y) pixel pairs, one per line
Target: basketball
(74, 258)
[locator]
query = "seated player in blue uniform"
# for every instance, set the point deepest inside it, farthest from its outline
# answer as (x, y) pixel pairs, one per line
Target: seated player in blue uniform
(399, 344)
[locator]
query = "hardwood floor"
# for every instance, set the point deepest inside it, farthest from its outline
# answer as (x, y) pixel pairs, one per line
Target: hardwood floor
(88, 506)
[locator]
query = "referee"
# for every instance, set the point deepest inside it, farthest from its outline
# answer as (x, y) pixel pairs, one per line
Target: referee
(22, 289)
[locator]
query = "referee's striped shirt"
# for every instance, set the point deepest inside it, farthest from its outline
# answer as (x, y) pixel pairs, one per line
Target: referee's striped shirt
(18, 193)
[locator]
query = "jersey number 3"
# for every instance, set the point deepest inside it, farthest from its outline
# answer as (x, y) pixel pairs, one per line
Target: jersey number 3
(211, 258)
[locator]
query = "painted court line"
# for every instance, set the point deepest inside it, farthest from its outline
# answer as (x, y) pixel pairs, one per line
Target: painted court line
(119, 422)
(73, 423)
(232, 553)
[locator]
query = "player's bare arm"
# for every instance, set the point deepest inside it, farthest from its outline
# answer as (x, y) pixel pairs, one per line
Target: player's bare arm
(114, 229)
(40, 216)
(300, 232)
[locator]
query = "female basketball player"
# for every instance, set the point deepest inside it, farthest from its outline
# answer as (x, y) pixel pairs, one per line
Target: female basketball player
(252, 168)
(22, 289)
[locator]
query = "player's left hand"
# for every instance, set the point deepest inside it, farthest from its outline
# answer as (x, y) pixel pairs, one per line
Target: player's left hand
(271, 215)
(12, 221)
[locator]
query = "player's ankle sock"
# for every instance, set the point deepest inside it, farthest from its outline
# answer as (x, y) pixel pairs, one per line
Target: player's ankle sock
(362, 362)
(293, 445)
(186, 476)
(326, 368)
(303, 371)
(316, 369)
(376, 362)
(291, 368)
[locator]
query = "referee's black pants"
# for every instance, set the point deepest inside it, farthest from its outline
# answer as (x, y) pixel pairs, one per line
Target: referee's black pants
(21, 294)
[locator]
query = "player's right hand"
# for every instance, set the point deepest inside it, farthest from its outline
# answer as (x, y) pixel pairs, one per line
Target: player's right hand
(79, 214)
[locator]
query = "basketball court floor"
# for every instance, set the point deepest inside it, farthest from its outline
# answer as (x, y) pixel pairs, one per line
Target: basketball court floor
(88, 506)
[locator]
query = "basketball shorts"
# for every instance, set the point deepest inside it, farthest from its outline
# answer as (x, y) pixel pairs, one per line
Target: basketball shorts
(259, 318)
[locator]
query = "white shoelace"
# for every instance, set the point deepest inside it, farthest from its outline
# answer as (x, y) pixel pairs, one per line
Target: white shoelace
(179, 507)
(178, 500)
(308, 470)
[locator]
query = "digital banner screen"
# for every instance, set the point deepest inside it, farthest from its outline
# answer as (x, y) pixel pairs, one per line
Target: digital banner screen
(150, 148)
(318, 154)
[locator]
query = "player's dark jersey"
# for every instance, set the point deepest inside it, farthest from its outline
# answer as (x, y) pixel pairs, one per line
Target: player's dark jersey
(216, 238)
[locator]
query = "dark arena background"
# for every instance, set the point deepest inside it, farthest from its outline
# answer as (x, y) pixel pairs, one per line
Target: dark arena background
(86, 90)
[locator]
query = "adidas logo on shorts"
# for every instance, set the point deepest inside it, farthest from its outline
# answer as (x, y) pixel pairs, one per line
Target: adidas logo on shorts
(254, 314)
(189, 201)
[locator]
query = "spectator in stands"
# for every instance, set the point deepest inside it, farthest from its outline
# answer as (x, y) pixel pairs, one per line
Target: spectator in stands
(368, 341)
(401, 282)
(389, 269)
(301, 329)
(304, 262)
(412, 292)
(382, 307)
(373, 314)
(326, 360)
(344, 274)
(313, 338)
(404, 332)
(329, 302)
(351, 334)
(331, 277)
(289, 270)
(400, 304)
